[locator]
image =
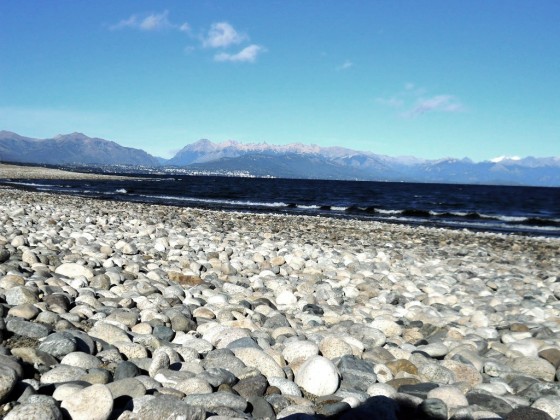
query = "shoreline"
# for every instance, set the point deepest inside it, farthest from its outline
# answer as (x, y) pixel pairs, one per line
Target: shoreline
(15, 171)
(265, 315)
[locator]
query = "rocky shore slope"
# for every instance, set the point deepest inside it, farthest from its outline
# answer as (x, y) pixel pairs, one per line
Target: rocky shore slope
(126, 311)
(11, 171)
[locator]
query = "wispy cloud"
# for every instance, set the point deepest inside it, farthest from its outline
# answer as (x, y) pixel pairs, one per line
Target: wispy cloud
(413, 101)
(151, 22)
(222, 35)
(441, 103)
(248, 55)
(346, 65)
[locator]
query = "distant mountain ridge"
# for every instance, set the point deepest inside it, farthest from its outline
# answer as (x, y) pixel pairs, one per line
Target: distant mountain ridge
(74, 148)
(286, 161)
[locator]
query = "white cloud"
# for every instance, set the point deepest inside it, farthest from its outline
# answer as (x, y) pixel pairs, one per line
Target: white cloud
(346, 65)
(131, 22)
(155, 22)
(151, 22)
(413, 102)
(248, 55)
(441, 103)
(222, 35)
(185, 27)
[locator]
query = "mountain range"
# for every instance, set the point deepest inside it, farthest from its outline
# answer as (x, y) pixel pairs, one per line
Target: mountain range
(286, 161)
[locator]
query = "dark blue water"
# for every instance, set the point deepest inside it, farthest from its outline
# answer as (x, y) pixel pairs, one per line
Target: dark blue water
(527, 210)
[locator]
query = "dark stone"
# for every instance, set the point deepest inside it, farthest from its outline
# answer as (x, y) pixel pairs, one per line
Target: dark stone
(263, 301)
(225, 361)
(126, 369)
(543, 333)
(163, 333)
(217, 377)
(13, 363)
(489, 402)
(520, 382)
(276, 321)
(333, 409)
(432, 409)
(27, 329)
(218, 354)
(356, 374)
(357, 380)
(397, 383)
(4, 256)
(242, 343)
(313, 309)
(21, 392)
(85, 342)
(260, 408)
(552, 356)
(180, 322)
(278, 402)
(379, 407)
(251, 387)
(351, 363)
(58, 300)
(527, 413)
(418, 390)
(272, 390)
(129, 387)
(540, 389)
(59, 344)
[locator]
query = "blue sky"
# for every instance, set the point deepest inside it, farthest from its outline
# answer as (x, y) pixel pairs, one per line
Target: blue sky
(433, 79)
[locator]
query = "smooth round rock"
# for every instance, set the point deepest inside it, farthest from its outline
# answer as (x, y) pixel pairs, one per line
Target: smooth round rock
(129, 387)
(549, 404)
(332, 347)
(538, 368)
(527, 413)
(20, 295)
(8, 379)
(285, 386)
(25, 311)
(287, 298)
(82, 360)
(299, 350)
(27, 328)
(74, 270)
(259, 360)
(125, 370)
(108, 333)
(94, 402)
(35, 411)
(433, 409)
(62, 373)
(450, 395)
(383, 390)
(193, 386)
(318, 376)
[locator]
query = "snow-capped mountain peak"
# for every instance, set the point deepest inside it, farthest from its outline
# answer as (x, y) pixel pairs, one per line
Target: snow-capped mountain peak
(503, 158)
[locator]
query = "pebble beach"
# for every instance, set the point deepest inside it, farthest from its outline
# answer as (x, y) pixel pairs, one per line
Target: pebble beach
(115, 310)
